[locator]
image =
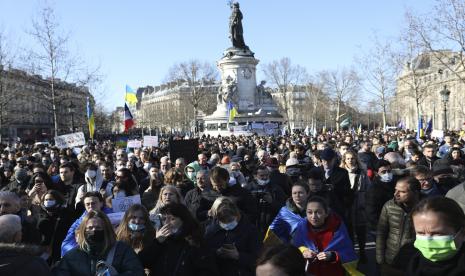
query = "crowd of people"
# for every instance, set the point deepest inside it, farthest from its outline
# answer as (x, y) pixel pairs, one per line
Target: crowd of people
(289, 205)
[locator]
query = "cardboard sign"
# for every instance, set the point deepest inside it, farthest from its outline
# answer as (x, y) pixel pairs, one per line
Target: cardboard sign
(150, 141)
(134, 144)
(122, 204)
(70, 140)
(436, 133)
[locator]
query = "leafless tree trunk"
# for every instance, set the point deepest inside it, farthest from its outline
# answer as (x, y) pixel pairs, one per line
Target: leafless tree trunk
(341, 86)
(198, 75)
(284, 75)
(379, 74)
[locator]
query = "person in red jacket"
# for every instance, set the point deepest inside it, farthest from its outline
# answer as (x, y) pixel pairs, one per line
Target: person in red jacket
(324, 241)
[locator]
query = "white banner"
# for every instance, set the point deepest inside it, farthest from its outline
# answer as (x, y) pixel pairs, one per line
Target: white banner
(134, 144)
(436, 133)
(122, 204)
(150, 141)
(257, 126)
(270, 125)
(70, 140)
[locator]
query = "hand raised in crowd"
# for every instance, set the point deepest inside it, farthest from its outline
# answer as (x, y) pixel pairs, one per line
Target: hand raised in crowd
(228, 252)
(163, 233)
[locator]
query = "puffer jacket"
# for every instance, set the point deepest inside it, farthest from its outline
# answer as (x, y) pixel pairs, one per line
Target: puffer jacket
(395, 229)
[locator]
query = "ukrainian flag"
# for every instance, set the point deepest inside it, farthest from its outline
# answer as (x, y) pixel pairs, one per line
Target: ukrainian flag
(232, 111)
(90, 117)
(420, 131)
(131, 97)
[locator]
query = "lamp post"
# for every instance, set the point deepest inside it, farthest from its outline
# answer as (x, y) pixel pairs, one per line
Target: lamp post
(71, 111)
(445, 98)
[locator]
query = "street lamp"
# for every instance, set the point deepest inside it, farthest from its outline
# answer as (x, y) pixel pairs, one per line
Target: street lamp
(71, 111)
(445, 98)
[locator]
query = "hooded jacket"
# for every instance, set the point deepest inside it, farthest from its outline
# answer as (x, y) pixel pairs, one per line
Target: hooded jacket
(21, 259)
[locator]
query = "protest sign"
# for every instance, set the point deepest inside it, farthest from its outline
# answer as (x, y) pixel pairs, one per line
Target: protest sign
(134, 144)
(70, 140)
(115, 218)
(150, 141)
(188, 149)
(436, 133)
(122, 204)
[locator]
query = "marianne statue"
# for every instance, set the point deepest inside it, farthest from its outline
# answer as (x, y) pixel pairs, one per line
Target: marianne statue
(235, 27)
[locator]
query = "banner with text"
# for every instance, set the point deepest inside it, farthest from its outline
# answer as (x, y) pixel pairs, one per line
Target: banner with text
(70, 140)
(150, 141)
(122, 204)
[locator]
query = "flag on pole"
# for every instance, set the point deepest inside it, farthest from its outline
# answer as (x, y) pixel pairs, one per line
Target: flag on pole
(90, 118)
(128, 119)
(420, 131)
(131, 97)
(232, 111)
(429, 126)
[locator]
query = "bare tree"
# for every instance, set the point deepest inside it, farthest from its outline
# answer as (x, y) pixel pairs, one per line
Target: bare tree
(55, 62)
(442, 28)
(200, 77)
(316, 96)
(283, 75)
(341, 86)
(379, 74)
(410, 62)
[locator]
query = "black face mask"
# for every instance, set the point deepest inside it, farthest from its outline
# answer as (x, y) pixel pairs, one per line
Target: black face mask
(94, 237)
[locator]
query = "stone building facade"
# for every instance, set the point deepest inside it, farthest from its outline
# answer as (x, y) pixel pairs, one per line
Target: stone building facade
(420, 83)
(170, 106)
(26, 112)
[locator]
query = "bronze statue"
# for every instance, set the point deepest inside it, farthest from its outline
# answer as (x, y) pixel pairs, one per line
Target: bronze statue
(235, 27)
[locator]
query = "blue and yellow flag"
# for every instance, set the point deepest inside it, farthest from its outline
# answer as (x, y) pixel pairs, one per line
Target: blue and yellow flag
(420, 130)
(131, 97)
(282, 228)
(90, 118)
(232, 111)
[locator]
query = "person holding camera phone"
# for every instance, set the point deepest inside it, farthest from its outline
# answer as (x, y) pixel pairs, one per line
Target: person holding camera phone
(234, 239)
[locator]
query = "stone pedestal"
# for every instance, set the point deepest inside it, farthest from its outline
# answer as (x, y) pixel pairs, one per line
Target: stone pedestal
(240, 65)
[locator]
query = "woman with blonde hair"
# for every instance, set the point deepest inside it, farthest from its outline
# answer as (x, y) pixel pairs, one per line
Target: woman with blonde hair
(168, 194)
(98, 252)
(135, 228)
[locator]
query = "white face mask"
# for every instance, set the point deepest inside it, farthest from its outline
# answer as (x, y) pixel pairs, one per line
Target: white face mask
(191, 175)
(262, 182)
(147, 166)
(49, 203)
(387, 177)
(229, 226)
(91, 173)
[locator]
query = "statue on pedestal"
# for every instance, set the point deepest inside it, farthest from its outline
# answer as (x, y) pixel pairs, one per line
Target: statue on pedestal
(262, 94)
(235, 27)
(227, 92)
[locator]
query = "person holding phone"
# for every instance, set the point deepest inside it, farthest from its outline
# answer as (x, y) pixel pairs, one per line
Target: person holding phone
(234, 240)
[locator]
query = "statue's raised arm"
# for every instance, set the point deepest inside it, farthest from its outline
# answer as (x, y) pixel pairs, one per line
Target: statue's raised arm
(235, 27)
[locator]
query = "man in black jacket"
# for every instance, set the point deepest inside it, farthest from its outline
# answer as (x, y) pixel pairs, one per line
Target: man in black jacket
(336, 179)
(429, 156)
(15, 258)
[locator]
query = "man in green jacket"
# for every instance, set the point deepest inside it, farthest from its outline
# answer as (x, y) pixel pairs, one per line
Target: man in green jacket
(395, 227)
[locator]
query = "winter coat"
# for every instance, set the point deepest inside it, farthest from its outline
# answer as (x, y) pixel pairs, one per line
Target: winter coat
(22, 260)
(340, 186)
(458, 194)
(176, 257)
(358, 209)
(245, 237)
(282, 180)
(193, 198)
(395, 229)
(80, 263)
(70, 240)
(378, 194)
(420, 266)
(54, 228)
(427, 163)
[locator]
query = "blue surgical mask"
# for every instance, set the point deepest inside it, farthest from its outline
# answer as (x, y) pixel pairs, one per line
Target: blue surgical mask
(49, 203)
(387, 177)
(136, 227)
(229, 226)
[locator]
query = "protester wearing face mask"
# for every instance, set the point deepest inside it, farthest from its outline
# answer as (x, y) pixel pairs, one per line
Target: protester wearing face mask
(136, 229)
(54, 222)
(439, 225)
(98, 251)
(234, 240)
(268, 198)
(178, 247)
(444, 176)
(94, 181)
(425, 177)
(378, 193)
